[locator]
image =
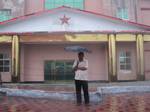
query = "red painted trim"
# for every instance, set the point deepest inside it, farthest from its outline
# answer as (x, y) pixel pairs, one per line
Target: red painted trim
(98, 14)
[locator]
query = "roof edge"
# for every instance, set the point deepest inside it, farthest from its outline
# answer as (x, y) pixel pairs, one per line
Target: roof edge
(72, 32)
(90, 12)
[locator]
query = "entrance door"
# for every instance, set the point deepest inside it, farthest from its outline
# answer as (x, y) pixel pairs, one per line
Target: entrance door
(58, 70)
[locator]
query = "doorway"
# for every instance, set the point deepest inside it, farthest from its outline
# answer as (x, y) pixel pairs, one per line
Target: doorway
(58, 70)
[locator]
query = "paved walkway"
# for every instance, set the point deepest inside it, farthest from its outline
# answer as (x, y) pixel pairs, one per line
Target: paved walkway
(18, 104)
(126, 102)
(132, 102)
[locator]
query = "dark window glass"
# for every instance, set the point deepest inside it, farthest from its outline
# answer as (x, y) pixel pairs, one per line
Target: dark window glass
(4, 63)
(125, 60)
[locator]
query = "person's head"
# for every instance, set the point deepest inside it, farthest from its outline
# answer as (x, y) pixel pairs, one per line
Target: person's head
(80, 56)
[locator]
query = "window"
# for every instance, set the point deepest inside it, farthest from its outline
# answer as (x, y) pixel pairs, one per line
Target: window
(58, 70)
(121, 9)
(5, 14)
(122, 13)
(125, 60)
(50, 4)
(4, 63)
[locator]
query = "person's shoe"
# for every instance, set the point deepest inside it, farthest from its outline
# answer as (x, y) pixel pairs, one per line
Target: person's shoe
(78, 104)
(87, 104)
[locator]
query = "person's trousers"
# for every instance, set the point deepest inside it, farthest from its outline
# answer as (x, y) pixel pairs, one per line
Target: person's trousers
(79, 86)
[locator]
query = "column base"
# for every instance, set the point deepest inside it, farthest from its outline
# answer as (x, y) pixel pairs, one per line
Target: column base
(141, 77)
(113, 78)
(15, 79)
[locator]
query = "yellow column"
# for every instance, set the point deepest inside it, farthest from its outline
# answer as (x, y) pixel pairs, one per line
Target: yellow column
(140, 57)
(15, 59)
(17, 56)
(112, 58)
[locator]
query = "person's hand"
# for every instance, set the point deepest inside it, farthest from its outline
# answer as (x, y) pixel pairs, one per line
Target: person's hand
(82, 68)
(75, 68)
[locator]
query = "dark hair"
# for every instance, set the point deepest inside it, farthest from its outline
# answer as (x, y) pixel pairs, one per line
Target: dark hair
(81, 53)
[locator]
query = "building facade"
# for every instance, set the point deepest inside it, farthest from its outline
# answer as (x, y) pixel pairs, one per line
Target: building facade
(11, 8)
(133, 10)
(32, 47)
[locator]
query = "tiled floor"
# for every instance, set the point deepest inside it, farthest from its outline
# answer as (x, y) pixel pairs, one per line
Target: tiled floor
(135, 102)
(18, 104)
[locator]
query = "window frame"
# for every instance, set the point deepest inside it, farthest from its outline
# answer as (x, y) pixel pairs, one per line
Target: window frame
(122, 13)
(65, 5)
(55, 66)
(8, 15)
(3, 66)
(122, 10)
(125, 64)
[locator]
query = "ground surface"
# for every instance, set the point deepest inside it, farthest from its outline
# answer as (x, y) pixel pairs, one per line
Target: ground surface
(129, 102)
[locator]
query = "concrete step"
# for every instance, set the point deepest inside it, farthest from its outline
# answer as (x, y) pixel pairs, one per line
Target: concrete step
(95, 97)
(123, 89)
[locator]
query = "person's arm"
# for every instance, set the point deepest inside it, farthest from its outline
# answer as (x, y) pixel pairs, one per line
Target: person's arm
(82, 68)
(85, 67)
(75, 66)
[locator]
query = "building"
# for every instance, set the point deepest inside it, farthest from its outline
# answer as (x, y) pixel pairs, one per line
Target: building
(32, 47)
(133, 10)
(11, 8)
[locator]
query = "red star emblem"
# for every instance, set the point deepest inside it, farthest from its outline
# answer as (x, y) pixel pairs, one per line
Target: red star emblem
(65, 20)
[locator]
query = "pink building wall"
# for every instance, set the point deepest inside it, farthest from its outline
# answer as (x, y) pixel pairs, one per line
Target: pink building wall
(94, 5)
(147, 62)
(127, 75)
(16, 6)
(144, 12)
(33, 6)
(22, 61)
(34, 56)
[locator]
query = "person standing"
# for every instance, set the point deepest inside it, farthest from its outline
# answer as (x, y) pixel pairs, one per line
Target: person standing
(80, 67)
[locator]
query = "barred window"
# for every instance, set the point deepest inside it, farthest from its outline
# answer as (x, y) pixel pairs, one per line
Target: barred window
(4, 63)
(5, 14)
(50, 4)
(58, 70)
(122, 13)
(125, 60)
(122, 10)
